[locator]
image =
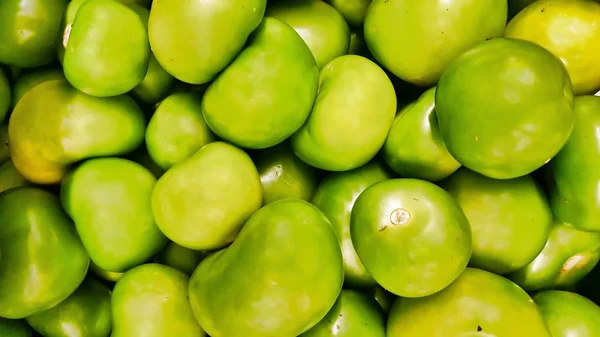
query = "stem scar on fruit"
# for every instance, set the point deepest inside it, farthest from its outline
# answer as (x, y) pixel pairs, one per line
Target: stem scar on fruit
(399, 216)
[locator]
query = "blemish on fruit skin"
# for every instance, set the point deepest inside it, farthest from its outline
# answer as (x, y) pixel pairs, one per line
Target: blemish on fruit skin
(399, 216)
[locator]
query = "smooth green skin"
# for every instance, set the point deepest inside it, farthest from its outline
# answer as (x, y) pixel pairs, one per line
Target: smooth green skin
(265, 297)
(43, 260)
(177, 129)
(399, 33)
(414, 147)
(568, 256)
(29, 31)
(109, 201)
(65, 26)
(477, 300)
(573, 172)
(518, 112)
(5, 95)
(103, 59)
(14, 328)
(156, 85)
(10, 177)
(321, 27)
(510, 219)
(202, 202)
(416, 254)
(354, 314)
(284, 175)
(266, 94)
(103, 274)
(351, 116)
(569, 314)
(151, 301)
(569, 29)
(85, 313)
(183, 259)
(220, 28)
(31, 79)
(335, 196)
(354, 11)
(44, 145)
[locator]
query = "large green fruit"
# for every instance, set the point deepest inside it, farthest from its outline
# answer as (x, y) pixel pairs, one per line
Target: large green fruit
(151, 300)
(322, 27)
(29, 31)
(411, 236)
(14, 328)
(351, 117)
(5, 95)
(505, 108)
(569, 314)
(43, 260)
(284, 175)
(80, 126)
(478, 303)
(267, 92)
(183, 259)
(103, 58)
(354, 11)
(510, 218)
(568, 256)
(414, 147)
(85, 313)
(417, 40)
(335, 196)
(283, 274)
(109, 201)
(177, 129)
(574, 171)
(203, 202)
(570, 30)
(354, 314)
(28, 80)
(195, 40)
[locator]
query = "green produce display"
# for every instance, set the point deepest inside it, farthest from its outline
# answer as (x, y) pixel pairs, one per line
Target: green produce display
(151, 300)
(510, 219)
(86, 312)
(269, 298)
(323, 28)
(570, 30)
(400, 33)
(335, 196)
(340, 134)
(177, 129)
(42, 259)
(518, 112)
(299, 168)
(481, 303)
(415, 226)
(266, 93)
(568, 314)
(568, 256)
(353, 314)
(284, 175)
(574, 181)
(203, 202)
(414, 147)
(109, 201)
